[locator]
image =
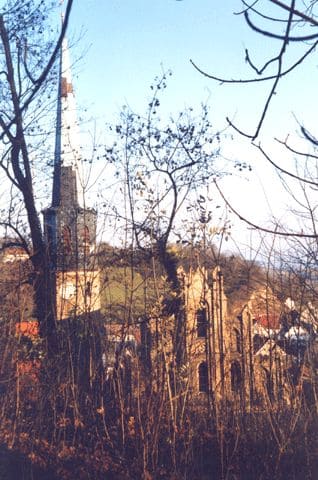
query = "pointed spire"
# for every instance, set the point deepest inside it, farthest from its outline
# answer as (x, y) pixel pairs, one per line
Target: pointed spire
(67, 152)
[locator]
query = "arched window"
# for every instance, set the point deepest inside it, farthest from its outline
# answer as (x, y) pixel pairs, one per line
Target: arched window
(236, 376)
(203, 377)
(86, 239)
(237, 340)
(201, 323)
(67, 238)
(85, 233)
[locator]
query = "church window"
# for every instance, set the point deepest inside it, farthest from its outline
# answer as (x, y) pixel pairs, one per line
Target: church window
(203, 377)
(67, 238)
(237, 340)
(86, 239)
(236, 376)
(201, 323)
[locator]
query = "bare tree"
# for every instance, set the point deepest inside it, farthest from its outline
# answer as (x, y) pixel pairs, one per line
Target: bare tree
(287, 26)
(27, 61)
(163, 167)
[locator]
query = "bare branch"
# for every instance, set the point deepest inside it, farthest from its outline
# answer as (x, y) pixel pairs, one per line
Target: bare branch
(299, 14)
(255, 80)
(276, 36)
(260, 14)
(22, 242)
(286, 172)
(296, 152)
(308, 136)
(258, 227)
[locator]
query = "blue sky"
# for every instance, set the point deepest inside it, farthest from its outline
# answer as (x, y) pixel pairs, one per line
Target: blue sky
(126, 43)
(131, 41)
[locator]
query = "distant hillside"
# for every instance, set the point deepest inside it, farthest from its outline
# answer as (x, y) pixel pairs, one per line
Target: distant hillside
(133, 281)
(126, 294)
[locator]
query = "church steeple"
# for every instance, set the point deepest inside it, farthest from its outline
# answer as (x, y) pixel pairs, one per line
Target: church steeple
(67, 151)
(69, 227)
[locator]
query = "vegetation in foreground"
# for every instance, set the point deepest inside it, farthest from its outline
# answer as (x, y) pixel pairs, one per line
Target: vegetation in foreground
(75, 424)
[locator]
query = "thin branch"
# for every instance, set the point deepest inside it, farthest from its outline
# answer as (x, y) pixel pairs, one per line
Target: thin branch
(26, 68)
(266, 33)
(8, 174)
(308, 136)
(282, 170)
(262, 15)
(254, 80)
(6, 130)
(41, 79)
(22, 243)
(264, 67)
(258, 227)
(302, 15)
(279, 71)
(310, 210)
(231, 124)
(296, 152)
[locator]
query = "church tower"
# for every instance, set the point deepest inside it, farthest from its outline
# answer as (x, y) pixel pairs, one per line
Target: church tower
(70, 227)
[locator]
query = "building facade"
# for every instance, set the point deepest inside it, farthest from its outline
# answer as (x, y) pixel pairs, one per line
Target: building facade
(235, 355)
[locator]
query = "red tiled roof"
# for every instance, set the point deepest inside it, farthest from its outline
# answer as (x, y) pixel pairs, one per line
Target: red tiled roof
(29, 329)
(268, 320)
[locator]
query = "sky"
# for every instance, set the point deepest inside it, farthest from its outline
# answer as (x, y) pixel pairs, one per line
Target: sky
(126, 43)
(130, 42)
(121, 45)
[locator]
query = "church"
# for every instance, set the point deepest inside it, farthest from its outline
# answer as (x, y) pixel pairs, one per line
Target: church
(221, 359)
(70, 226)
